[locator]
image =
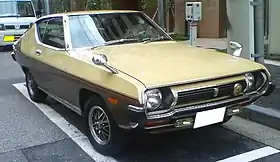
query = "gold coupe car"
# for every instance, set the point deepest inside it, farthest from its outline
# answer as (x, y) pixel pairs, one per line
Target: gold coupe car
(122, 72)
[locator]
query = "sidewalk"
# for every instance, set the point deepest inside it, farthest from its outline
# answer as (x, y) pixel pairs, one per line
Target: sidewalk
(267, 110)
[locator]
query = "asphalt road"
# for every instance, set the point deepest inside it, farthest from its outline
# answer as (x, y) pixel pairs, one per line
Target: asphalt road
(273, 100)
(49, 132)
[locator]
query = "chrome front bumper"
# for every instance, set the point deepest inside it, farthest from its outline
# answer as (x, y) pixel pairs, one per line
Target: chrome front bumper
(167, 121)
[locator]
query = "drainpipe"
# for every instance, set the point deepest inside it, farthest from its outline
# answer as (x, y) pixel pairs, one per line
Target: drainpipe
(251, 30)
(161, 13)
(47, 7)
(259, 30)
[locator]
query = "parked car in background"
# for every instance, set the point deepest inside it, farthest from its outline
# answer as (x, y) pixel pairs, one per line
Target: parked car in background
(122, 72)
(16, 16)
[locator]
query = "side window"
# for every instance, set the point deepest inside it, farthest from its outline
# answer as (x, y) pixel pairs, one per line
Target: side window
(51, 32)
(41, 27)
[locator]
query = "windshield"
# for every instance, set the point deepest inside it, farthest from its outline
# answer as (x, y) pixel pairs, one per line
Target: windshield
(103, 29)
(16, 9)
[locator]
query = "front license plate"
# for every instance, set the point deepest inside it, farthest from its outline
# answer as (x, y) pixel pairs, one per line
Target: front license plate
(9, 38)
(209, 117)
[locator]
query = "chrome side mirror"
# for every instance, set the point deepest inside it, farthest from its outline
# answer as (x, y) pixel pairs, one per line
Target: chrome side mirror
(236, 47)
(102, 60)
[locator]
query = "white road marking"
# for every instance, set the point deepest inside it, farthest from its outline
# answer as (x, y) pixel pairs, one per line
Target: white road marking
(252, 155)
(77, 136)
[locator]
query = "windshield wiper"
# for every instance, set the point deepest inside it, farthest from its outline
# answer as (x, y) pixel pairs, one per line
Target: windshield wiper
(146, 40)
(95, 46)
(120, 41)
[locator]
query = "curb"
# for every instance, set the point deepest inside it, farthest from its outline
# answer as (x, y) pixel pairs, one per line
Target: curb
(265, 116)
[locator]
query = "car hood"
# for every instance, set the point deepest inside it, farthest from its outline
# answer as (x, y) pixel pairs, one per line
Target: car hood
(168, 62)
(17, 20)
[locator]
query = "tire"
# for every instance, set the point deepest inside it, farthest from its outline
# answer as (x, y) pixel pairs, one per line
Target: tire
(116, 137)
(34, 92)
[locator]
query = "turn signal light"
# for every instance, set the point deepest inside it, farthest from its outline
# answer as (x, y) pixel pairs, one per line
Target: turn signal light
(112, 100)
(156, 123)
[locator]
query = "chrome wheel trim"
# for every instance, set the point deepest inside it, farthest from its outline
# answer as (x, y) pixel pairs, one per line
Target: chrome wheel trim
(30, 84)
(99, 125)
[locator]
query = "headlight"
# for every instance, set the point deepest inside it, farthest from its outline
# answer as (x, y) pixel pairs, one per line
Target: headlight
(255, 81)
(250, 79)
(153, 99)
(2, 27)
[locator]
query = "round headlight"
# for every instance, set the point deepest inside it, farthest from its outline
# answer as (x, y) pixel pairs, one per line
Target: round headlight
(153, 99)
(250, 79)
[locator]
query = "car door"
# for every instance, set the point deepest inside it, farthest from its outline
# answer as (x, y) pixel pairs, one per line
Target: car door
(51, 55)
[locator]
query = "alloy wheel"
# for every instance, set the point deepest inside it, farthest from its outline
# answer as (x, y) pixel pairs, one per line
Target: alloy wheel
(99, 125)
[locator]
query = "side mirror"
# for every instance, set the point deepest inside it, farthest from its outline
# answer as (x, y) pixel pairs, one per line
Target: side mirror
(236, 47)
(102, 60)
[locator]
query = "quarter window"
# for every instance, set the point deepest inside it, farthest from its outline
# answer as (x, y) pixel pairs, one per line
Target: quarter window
(51, 32)
(41, 29)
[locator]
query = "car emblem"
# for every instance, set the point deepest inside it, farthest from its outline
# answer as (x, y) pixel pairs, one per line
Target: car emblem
(17, 27)
(216, 92)
(237, 89)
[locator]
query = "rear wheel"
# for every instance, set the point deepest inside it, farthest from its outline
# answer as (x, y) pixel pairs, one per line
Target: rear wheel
(34, 92)
(102, 131)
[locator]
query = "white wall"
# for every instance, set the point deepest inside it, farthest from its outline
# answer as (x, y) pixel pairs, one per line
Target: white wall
(274, 35)
(239, 19)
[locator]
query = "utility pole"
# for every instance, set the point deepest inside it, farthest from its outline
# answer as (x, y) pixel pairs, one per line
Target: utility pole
(47, 7)
(161, 13)
(259, 30)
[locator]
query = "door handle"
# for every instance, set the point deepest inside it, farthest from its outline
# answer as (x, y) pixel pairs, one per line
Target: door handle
(38, 52)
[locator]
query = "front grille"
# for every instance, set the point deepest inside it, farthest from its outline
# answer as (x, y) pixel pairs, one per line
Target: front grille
(13, 27)
(9, 26)
(205, 94)
(24, 26)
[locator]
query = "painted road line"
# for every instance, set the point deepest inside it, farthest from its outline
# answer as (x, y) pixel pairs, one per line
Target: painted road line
(77, 136)
(252, 155)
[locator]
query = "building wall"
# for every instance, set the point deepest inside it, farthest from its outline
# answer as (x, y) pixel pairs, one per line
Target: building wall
(213, 24)
(240, 29)
(274, 26)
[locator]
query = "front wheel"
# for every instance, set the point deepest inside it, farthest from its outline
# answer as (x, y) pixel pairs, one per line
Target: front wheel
(102, 131)
(34, 92)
